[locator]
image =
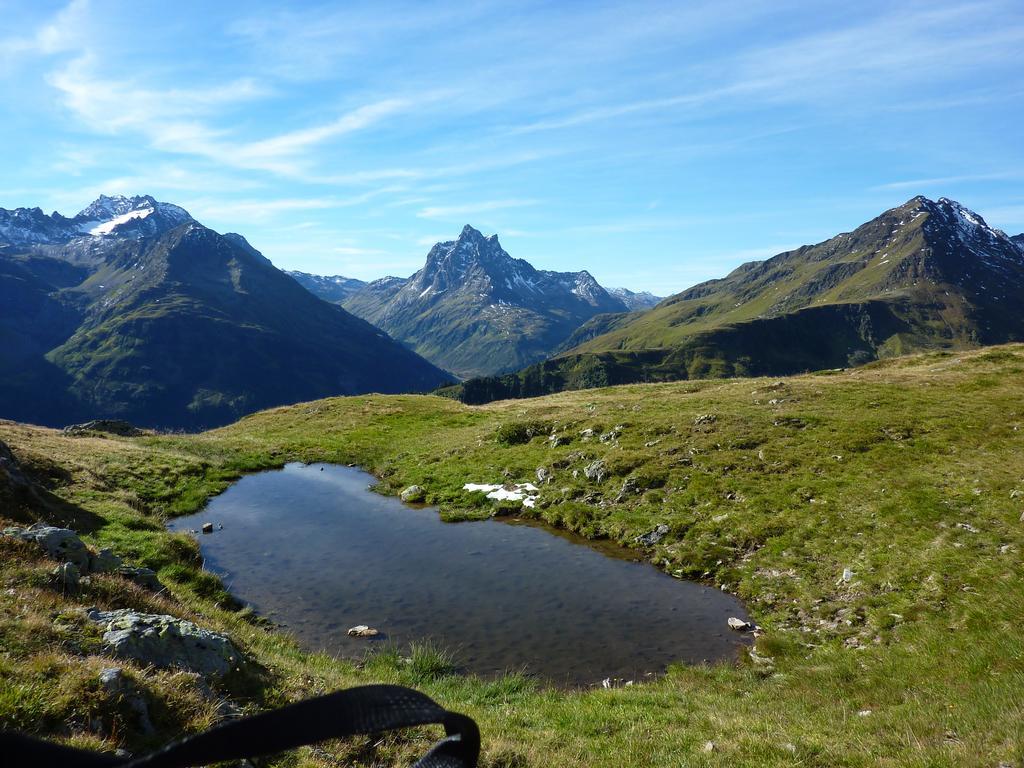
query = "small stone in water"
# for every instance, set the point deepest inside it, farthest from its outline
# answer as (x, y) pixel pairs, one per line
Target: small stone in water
(207, 527)
(361, 630)
(739, 624)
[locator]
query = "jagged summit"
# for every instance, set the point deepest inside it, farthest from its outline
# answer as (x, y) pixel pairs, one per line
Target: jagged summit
(106, 216)
(107, 207)
(473, 308)
(139, 215)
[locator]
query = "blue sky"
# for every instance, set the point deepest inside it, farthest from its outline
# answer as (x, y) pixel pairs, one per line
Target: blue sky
(655, 144)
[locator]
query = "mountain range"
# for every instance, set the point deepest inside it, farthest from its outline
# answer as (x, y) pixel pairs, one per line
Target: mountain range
(333, 288)
(132, 309)
(475, 310)
(924, 275)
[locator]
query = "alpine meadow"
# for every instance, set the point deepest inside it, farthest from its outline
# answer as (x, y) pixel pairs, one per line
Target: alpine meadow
(512, 385)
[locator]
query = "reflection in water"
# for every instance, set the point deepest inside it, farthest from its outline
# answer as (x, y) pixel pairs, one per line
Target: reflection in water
(311, 547)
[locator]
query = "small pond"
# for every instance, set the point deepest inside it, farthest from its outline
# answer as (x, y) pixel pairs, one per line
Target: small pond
(310, 546)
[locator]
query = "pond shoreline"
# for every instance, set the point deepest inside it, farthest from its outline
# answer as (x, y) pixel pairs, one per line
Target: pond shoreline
(637, 620)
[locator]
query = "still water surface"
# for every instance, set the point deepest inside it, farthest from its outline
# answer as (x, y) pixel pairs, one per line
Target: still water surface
(311, 547)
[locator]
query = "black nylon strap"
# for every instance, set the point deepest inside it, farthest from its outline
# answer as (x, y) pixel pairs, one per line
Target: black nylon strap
(369, 709)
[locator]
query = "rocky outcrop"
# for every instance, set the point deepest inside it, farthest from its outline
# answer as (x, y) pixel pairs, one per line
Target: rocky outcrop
(166, 642)
(105, 426)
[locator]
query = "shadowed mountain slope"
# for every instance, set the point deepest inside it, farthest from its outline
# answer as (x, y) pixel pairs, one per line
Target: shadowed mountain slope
(132, 309)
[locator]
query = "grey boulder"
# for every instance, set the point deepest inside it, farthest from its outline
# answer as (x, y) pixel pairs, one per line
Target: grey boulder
(166, 642)
(413, 494)
(58, 543)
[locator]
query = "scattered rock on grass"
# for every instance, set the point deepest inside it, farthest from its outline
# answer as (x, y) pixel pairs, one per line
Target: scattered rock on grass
(68, 576)
(166, 642)
(108, 426)
(651, 538)
(595, 471)
(59, 543)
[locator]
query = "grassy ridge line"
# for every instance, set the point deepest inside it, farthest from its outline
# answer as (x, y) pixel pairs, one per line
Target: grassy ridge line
(756, 500)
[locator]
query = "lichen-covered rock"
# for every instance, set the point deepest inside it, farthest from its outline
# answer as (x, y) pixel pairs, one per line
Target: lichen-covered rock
(59, 543)
(166, 642)
(413, 494)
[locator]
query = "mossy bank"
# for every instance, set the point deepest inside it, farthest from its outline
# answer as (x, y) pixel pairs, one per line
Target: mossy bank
(870, 518)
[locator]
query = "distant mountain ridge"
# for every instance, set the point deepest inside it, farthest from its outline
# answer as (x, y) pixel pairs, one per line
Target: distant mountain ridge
(924, 275)
(474, 309)
(635, 300)
(332, 288)
(132, 309)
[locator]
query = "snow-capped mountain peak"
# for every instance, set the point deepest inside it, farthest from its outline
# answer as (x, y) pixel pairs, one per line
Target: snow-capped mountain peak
(109, 213)
(107, 207)
(949, 219)
(139, 216)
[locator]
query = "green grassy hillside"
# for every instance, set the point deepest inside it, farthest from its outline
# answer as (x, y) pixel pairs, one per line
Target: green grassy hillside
(906, 472)
(925, 275)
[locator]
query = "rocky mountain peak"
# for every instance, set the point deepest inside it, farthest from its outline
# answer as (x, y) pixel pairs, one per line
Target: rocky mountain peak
(951, 225)
(451, 262)
(110, 206)
(137, 215)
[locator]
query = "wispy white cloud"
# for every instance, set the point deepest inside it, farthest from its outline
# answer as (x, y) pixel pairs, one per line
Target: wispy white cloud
(258, 210)
(942, 180)
(63, 32)
(177, 119)
(469, 209)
